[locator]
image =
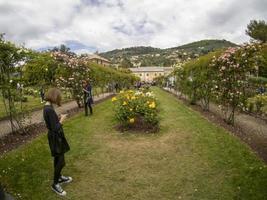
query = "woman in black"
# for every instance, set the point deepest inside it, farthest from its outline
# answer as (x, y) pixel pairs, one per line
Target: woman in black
(56, 139)
(88, 97)
(42, 94)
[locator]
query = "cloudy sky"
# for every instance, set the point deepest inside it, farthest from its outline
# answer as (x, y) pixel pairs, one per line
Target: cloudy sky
(90, 25)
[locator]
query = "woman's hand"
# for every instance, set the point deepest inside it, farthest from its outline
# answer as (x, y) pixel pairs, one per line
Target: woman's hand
(63, 117)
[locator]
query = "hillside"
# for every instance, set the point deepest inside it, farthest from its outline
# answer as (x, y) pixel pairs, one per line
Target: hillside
(132, 51)
(204, 46)
(147, 56)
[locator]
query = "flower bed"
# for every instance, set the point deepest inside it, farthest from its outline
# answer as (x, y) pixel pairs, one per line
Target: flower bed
(136, 110)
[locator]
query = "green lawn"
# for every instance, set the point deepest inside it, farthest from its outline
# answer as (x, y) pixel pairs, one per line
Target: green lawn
(189, 159)
(32, 103)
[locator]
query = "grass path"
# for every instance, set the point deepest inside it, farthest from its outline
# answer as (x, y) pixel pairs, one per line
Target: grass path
(189, 159)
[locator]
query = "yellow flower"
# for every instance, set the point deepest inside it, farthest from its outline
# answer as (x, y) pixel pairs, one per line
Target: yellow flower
(133, 97)
(124, 103)
(148, 102)
(121, 91)
(114, 99)
(131, 120)
(131, 109)
(152, 105)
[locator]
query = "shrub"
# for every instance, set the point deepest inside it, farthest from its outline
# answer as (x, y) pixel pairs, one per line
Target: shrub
(31, 92)
(257, 103)
(21, 99)
(136, 109)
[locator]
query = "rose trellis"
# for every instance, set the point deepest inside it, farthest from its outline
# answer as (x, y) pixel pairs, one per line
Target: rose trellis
(231, 81)
(75, 69)
(72, 74)
(12, 58)
(222, 77)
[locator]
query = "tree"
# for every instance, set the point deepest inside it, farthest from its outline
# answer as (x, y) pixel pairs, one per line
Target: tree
(11, 58)
(126, 63)
(40, 69)
(63, 49)
(263, 62)
(201, 79)
(257, 30)
(125, 70)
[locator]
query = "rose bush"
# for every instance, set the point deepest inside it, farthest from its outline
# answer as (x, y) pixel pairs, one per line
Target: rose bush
(136, 109)
(231, 81)
(76, 69)
(71, 76)
(226, 77)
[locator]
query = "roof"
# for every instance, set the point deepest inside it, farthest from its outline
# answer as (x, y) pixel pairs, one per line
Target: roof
(95, 56)
(151, 69)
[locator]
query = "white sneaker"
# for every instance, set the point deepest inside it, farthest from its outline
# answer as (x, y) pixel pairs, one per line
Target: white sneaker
(58, 189)
(64, 179)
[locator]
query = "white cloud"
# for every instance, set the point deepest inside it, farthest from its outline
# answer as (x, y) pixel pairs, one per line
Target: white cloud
(109, 24)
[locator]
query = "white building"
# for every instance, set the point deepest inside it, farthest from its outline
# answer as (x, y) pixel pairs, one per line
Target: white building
(147, 74)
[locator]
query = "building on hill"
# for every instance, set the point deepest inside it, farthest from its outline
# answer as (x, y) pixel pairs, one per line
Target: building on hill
(148, 74)
(97, 59)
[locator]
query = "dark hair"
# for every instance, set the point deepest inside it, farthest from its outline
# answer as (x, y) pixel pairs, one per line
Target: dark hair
(53, 95)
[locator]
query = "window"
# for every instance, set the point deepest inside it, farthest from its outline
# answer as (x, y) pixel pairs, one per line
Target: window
(155, 74)
(147, 74)
(140, 74)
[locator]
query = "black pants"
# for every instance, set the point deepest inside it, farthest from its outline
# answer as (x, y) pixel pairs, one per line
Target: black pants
(86, 105)
(59, 163)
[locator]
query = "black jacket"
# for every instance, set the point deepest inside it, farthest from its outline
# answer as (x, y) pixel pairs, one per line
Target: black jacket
(87, 94)
(56, 138)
